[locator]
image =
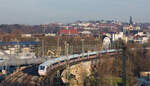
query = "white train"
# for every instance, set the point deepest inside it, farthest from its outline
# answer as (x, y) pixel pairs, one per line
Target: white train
(43, 68)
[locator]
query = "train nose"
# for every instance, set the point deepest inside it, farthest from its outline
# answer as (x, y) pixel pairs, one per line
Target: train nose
(42, 73)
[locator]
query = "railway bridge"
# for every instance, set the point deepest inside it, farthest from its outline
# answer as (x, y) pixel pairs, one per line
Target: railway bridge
(61, 65)
(22, 76)
(37, 80)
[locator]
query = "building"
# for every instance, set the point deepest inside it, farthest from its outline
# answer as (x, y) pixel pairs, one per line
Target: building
(131, 21)
(129, 28)
(140, 39)
(132, 28)
(49, 34)
(106, 43)
(117, 36)
(68, 32)
(86, 33)
(26, 35)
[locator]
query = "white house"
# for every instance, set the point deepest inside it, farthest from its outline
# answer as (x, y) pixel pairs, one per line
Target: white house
(26, 35)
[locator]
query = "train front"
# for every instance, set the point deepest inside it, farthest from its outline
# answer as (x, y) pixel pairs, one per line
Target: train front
(42, 70)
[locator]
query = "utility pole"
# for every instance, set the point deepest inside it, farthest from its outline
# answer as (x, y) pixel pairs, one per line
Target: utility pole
(18, 54)
(71, 50)
(58, 78)
(58, 53)
(58, 47)
(67, 63)
(82, 40)
(44, 28)
(81, 66)
(124, 64)
(43, 49)
(17, 48)
(37, 47)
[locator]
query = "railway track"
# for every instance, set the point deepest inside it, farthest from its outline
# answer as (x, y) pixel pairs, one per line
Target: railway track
(28, 76)
(25, 76)
(11, 77)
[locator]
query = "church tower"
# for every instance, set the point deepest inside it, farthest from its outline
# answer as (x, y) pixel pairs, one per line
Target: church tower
(131, 21)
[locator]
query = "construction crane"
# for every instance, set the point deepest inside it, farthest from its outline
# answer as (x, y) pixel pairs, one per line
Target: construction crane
(52, 53)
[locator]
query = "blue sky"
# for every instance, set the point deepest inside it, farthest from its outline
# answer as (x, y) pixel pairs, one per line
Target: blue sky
(44, 11)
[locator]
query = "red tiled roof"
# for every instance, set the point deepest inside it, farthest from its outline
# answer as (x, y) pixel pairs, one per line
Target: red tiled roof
(68, 31)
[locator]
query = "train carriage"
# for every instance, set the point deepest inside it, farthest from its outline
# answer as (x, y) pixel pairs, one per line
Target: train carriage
(52, 63)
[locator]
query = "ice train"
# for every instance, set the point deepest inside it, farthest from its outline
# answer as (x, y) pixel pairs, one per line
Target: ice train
(50, 64)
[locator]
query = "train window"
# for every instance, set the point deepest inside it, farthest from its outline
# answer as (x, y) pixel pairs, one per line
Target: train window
(42, 67)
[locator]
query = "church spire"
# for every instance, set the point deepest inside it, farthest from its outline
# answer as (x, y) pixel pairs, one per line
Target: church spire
(130, 22)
